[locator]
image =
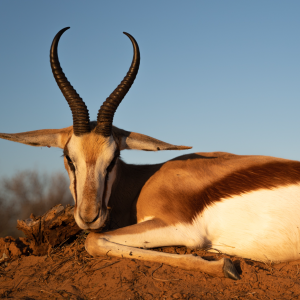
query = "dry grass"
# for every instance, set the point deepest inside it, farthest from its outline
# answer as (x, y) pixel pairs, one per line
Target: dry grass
(30, 192)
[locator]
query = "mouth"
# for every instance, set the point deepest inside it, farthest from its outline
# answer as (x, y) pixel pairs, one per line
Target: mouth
(100, 221)
(97, 224)
(105, 222)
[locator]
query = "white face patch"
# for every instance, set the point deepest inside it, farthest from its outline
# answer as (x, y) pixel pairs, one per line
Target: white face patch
(91, 155)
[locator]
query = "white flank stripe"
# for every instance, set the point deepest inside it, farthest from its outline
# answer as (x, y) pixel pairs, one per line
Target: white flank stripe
(262, 225)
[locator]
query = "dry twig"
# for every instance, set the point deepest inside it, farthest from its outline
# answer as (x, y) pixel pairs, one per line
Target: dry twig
(161, 279)
(103, 266)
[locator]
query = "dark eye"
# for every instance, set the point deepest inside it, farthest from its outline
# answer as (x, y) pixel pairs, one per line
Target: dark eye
(70, 163)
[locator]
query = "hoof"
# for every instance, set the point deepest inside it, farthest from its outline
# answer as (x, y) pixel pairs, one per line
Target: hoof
(230, 270)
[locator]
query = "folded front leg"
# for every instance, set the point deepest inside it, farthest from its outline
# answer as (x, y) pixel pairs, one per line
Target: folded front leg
(114, 243)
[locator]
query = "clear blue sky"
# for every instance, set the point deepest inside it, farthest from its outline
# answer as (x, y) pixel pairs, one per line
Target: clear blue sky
(215, 75)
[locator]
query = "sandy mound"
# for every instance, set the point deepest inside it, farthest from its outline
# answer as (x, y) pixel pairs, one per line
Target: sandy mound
(67, 271)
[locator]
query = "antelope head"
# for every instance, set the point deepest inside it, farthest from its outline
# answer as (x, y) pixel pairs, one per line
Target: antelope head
(91, 149)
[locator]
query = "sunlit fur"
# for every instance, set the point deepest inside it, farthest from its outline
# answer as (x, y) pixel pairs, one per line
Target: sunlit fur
(241, 205)
(263, 225)
(91, 154)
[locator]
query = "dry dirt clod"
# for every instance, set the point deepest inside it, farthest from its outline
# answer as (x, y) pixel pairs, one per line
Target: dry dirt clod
(49, 230)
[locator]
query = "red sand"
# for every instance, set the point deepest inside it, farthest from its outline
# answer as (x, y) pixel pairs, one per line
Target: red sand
(69, 272)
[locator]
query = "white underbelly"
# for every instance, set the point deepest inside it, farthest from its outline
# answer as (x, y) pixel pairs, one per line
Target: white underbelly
(261, 225)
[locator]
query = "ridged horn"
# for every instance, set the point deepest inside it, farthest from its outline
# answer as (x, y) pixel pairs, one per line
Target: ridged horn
(110, 105)
(80, 113)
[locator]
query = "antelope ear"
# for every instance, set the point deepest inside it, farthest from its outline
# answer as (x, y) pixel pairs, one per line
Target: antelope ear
(137, 141)
(41, 138)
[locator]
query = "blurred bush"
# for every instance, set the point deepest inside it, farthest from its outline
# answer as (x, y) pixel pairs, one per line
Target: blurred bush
(30, 192)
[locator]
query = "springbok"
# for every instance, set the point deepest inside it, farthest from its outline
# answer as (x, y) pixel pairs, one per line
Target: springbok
(247, 206)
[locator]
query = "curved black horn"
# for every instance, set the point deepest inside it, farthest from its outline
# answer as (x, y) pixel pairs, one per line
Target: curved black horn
(110, 105)
(80, 113)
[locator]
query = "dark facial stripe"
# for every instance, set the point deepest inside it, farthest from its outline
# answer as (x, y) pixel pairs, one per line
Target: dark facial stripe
(109, 170)
(192, 201)
(75, 189)
(66, 153)
(104, 191)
